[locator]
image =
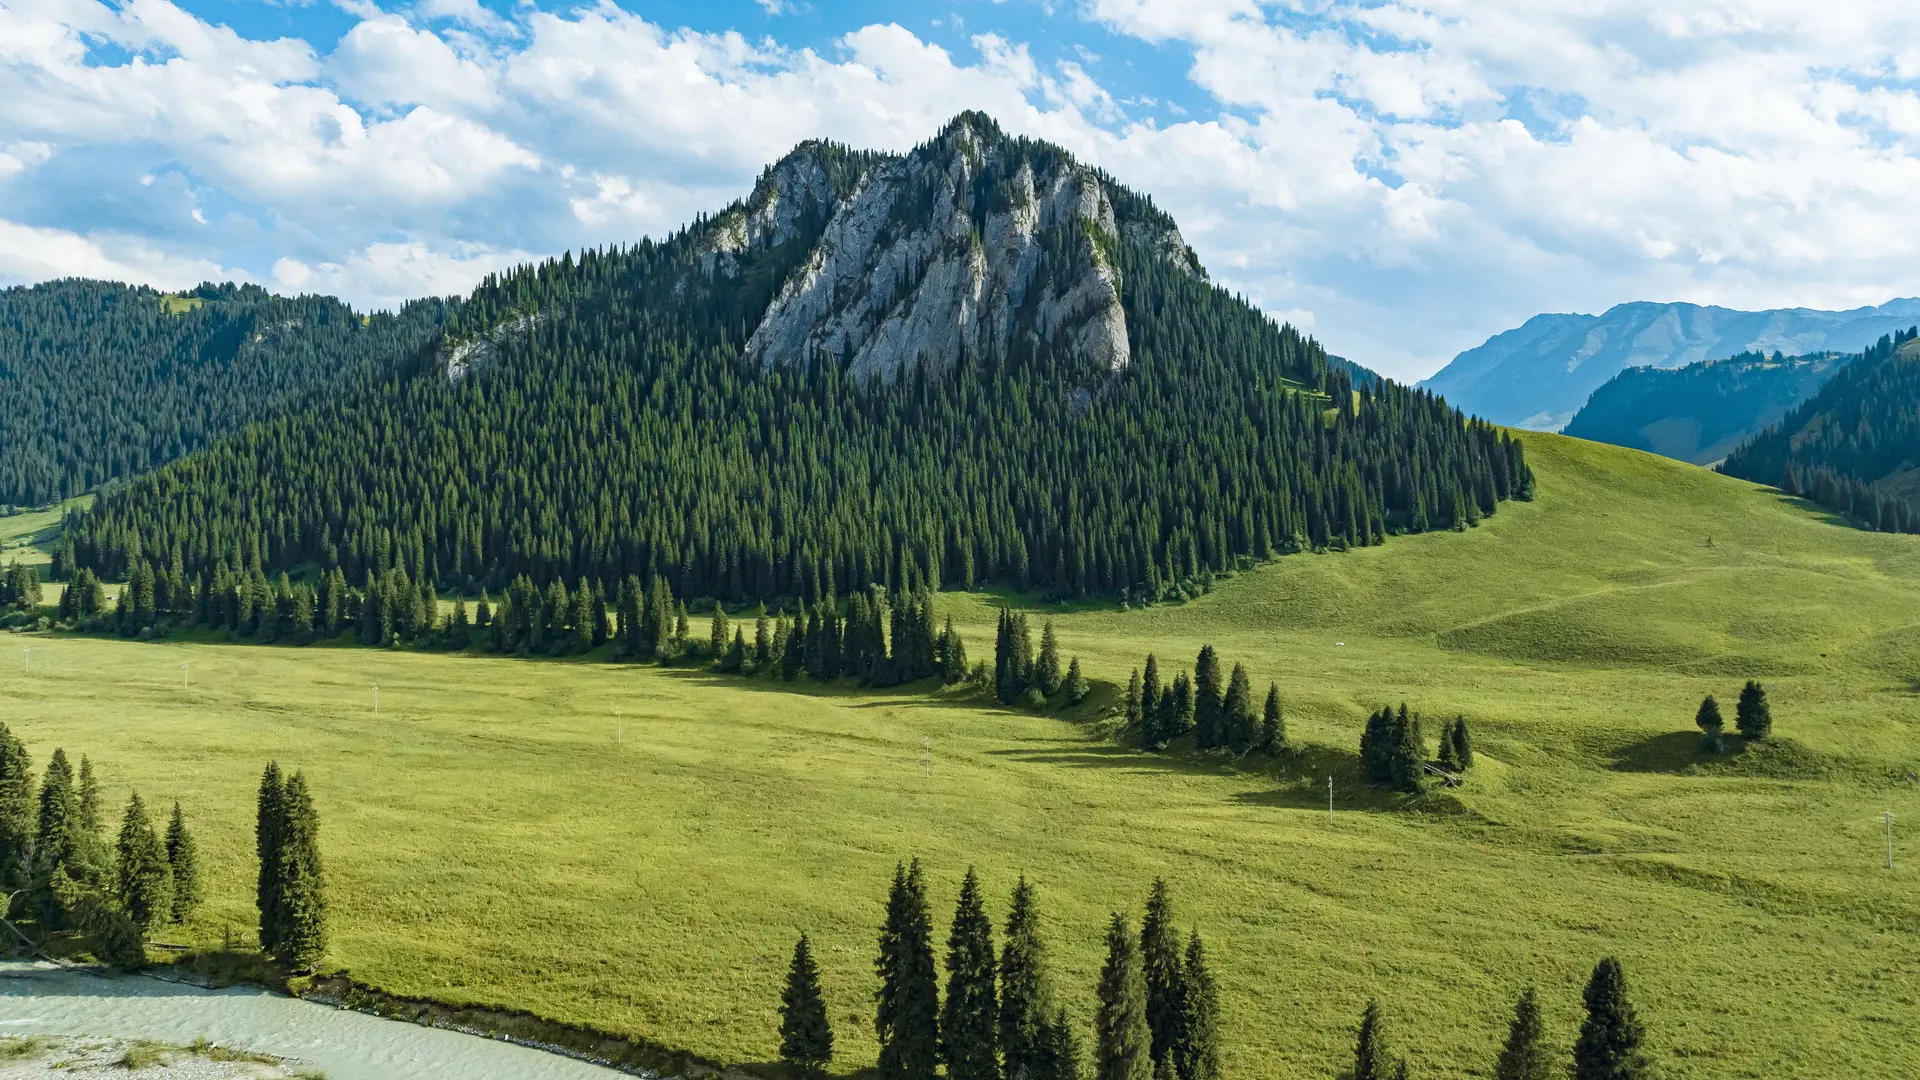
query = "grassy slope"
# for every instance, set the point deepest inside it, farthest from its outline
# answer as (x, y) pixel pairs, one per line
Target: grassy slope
(487, 840)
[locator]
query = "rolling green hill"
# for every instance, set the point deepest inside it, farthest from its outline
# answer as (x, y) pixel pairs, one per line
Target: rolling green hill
(488, 840)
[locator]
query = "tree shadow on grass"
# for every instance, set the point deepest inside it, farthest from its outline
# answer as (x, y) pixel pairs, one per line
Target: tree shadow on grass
(1302, 782)
(1684, 753)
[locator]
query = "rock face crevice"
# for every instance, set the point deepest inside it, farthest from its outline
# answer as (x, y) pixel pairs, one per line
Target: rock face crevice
(974, 244)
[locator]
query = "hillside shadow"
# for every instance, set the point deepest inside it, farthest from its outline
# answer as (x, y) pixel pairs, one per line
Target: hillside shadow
(1673, 753)
(1683, 753)
(1301, 778)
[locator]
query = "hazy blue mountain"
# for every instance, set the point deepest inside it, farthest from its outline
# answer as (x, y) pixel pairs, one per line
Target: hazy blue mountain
(1538, 376)
(1700, 412)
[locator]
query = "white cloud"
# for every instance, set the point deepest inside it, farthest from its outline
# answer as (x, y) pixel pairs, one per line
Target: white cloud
(29, 254)
(388, 274)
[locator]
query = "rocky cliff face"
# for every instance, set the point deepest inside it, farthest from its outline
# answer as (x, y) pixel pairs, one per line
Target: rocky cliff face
(973, 244)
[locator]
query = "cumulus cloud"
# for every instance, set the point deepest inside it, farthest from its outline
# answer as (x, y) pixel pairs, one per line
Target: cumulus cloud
(1405, 177)
(29, 253)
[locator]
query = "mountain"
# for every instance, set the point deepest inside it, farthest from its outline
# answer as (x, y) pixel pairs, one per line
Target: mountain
(1700, 412)
(977, 361)
(1854, 446)
(1538, 376)
(100, 381)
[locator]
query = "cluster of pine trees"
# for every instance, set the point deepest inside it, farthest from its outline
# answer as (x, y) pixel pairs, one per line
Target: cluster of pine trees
(1021, 676)
(1158, 1012)
(1219, 713)
(54, 855)
(1841, 444)
(1752, 717)
(291, 892)
(619, 430)
(1609, 1046)
(1393, 749)
(125, 379)
(19, 588)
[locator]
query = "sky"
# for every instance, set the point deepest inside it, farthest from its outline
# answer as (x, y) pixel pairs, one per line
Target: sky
(1401, 178)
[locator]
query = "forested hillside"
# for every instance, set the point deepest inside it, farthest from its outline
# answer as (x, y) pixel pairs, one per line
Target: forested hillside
(1700, 412)
(1119, 424)
(100, 380)
(1855, 446)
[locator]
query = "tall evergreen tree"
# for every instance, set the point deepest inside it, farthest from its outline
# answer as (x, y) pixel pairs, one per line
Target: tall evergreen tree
(1059, 1054)
(1151, 699)
(806, 1033)
(269, 837)
(968, 1019)
(57, 840)
(16, 810)
(1371, 1056)
(88, 790)
(1130, 708)
(1609, 1044)
(1123, 1044)
(1523, 1057)
(1046, 669)
(143, 879)
(301, 884)
(1752, 716)
(1407, 759)
(1208, 693)
(1241, 726)
(1026, 998)
(183, 859)
(907, 1013)
(1165, 977)
(1077, 686)
(1179, 707)
(1273, 723)
(1707, 719)
(1462, 743)
(1197, 1055)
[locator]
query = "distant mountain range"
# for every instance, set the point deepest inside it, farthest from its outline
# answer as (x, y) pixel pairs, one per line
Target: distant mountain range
(1701, 412)
(1539, 375)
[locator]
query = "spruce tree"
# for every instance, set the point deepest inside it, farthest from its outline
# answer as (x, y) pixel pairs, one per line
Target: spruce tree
(1123, 1044)
(795, 660)
(1197, 1054)
(16, 810)
(1165, 978)
(967, 1036)
(806, 1034)
(907, 1013)
(269, 831)
(762, 639)
(1609, 1044)
(1523, 1057)
(1046, 669)
(183, 858)
(1446, 758)
(1077, 685)
(1207, 699)
(1022, 659)
(1462, 743)
(1179, 707)
(1241, 726)
(1752, 716)
(1407, 758)
(1707, 719)
(1370, 1052)
(736, 657)
(301, 885)
(143, 880)
(1059, 1055)
(1152, 696)
(1273, 723)
(717, 634)
(953, 655)
(56, 838)
(1130, 714)
(89, 801)
(1026, 998)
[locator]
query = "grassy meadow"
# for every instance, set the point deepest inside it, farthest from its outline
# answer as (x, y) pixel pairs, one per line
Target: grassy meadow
(490, 839)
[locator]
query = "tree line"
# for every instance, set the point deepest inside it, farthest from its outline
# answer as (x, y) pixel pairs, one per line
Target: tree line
(56, 860)
(102, 381)
(1218, 711)
(1157, 1013)
(619, 431)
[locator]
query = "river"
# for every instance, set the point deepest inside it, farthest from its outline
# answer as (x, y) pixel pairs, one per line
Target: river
(39, 999)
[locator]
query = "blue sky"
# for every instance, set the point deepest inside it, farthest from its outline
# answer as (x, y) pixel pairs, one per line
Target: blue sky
(1403, 178)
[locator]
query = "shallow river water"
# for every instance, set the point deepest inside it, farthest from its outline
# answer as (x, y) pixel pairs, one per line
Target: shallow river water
(40, 999)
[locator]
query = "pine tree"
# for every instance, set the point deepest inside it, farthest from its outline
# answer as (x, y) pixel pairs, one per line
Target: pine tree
(1446, 758)
(906, 1017)
(183, 858)
(269, 832)
(967, 1036)
(1046, 669)
(717, 634)
(1407, 757)
(1207, 699)
(1022, 659)
(1077, 685)
(1059, 1055)
(1370, 1052)
(89, 802)
(795, 660)
(56, 840)
(1753, 717)
(1197, 1055)
(735, 660)
(1462, 743)
(1242, 728)
(301, 885)
(806, 1034)
(953, 655)
(143, 880)
(762, 639)
(1123, 1044)
(1273, 723)
(1523, 1057)
(1707, 719)
(1131, 707)
(1609, 1044)
(1026, 998)
(16, 810)
(581, 617)
(1179, 707)
(1165, 978)
(1152, 696)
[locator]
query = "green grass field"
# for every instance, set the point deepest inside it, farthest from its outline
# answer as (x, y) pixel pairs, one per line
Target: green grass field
(487, 839)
